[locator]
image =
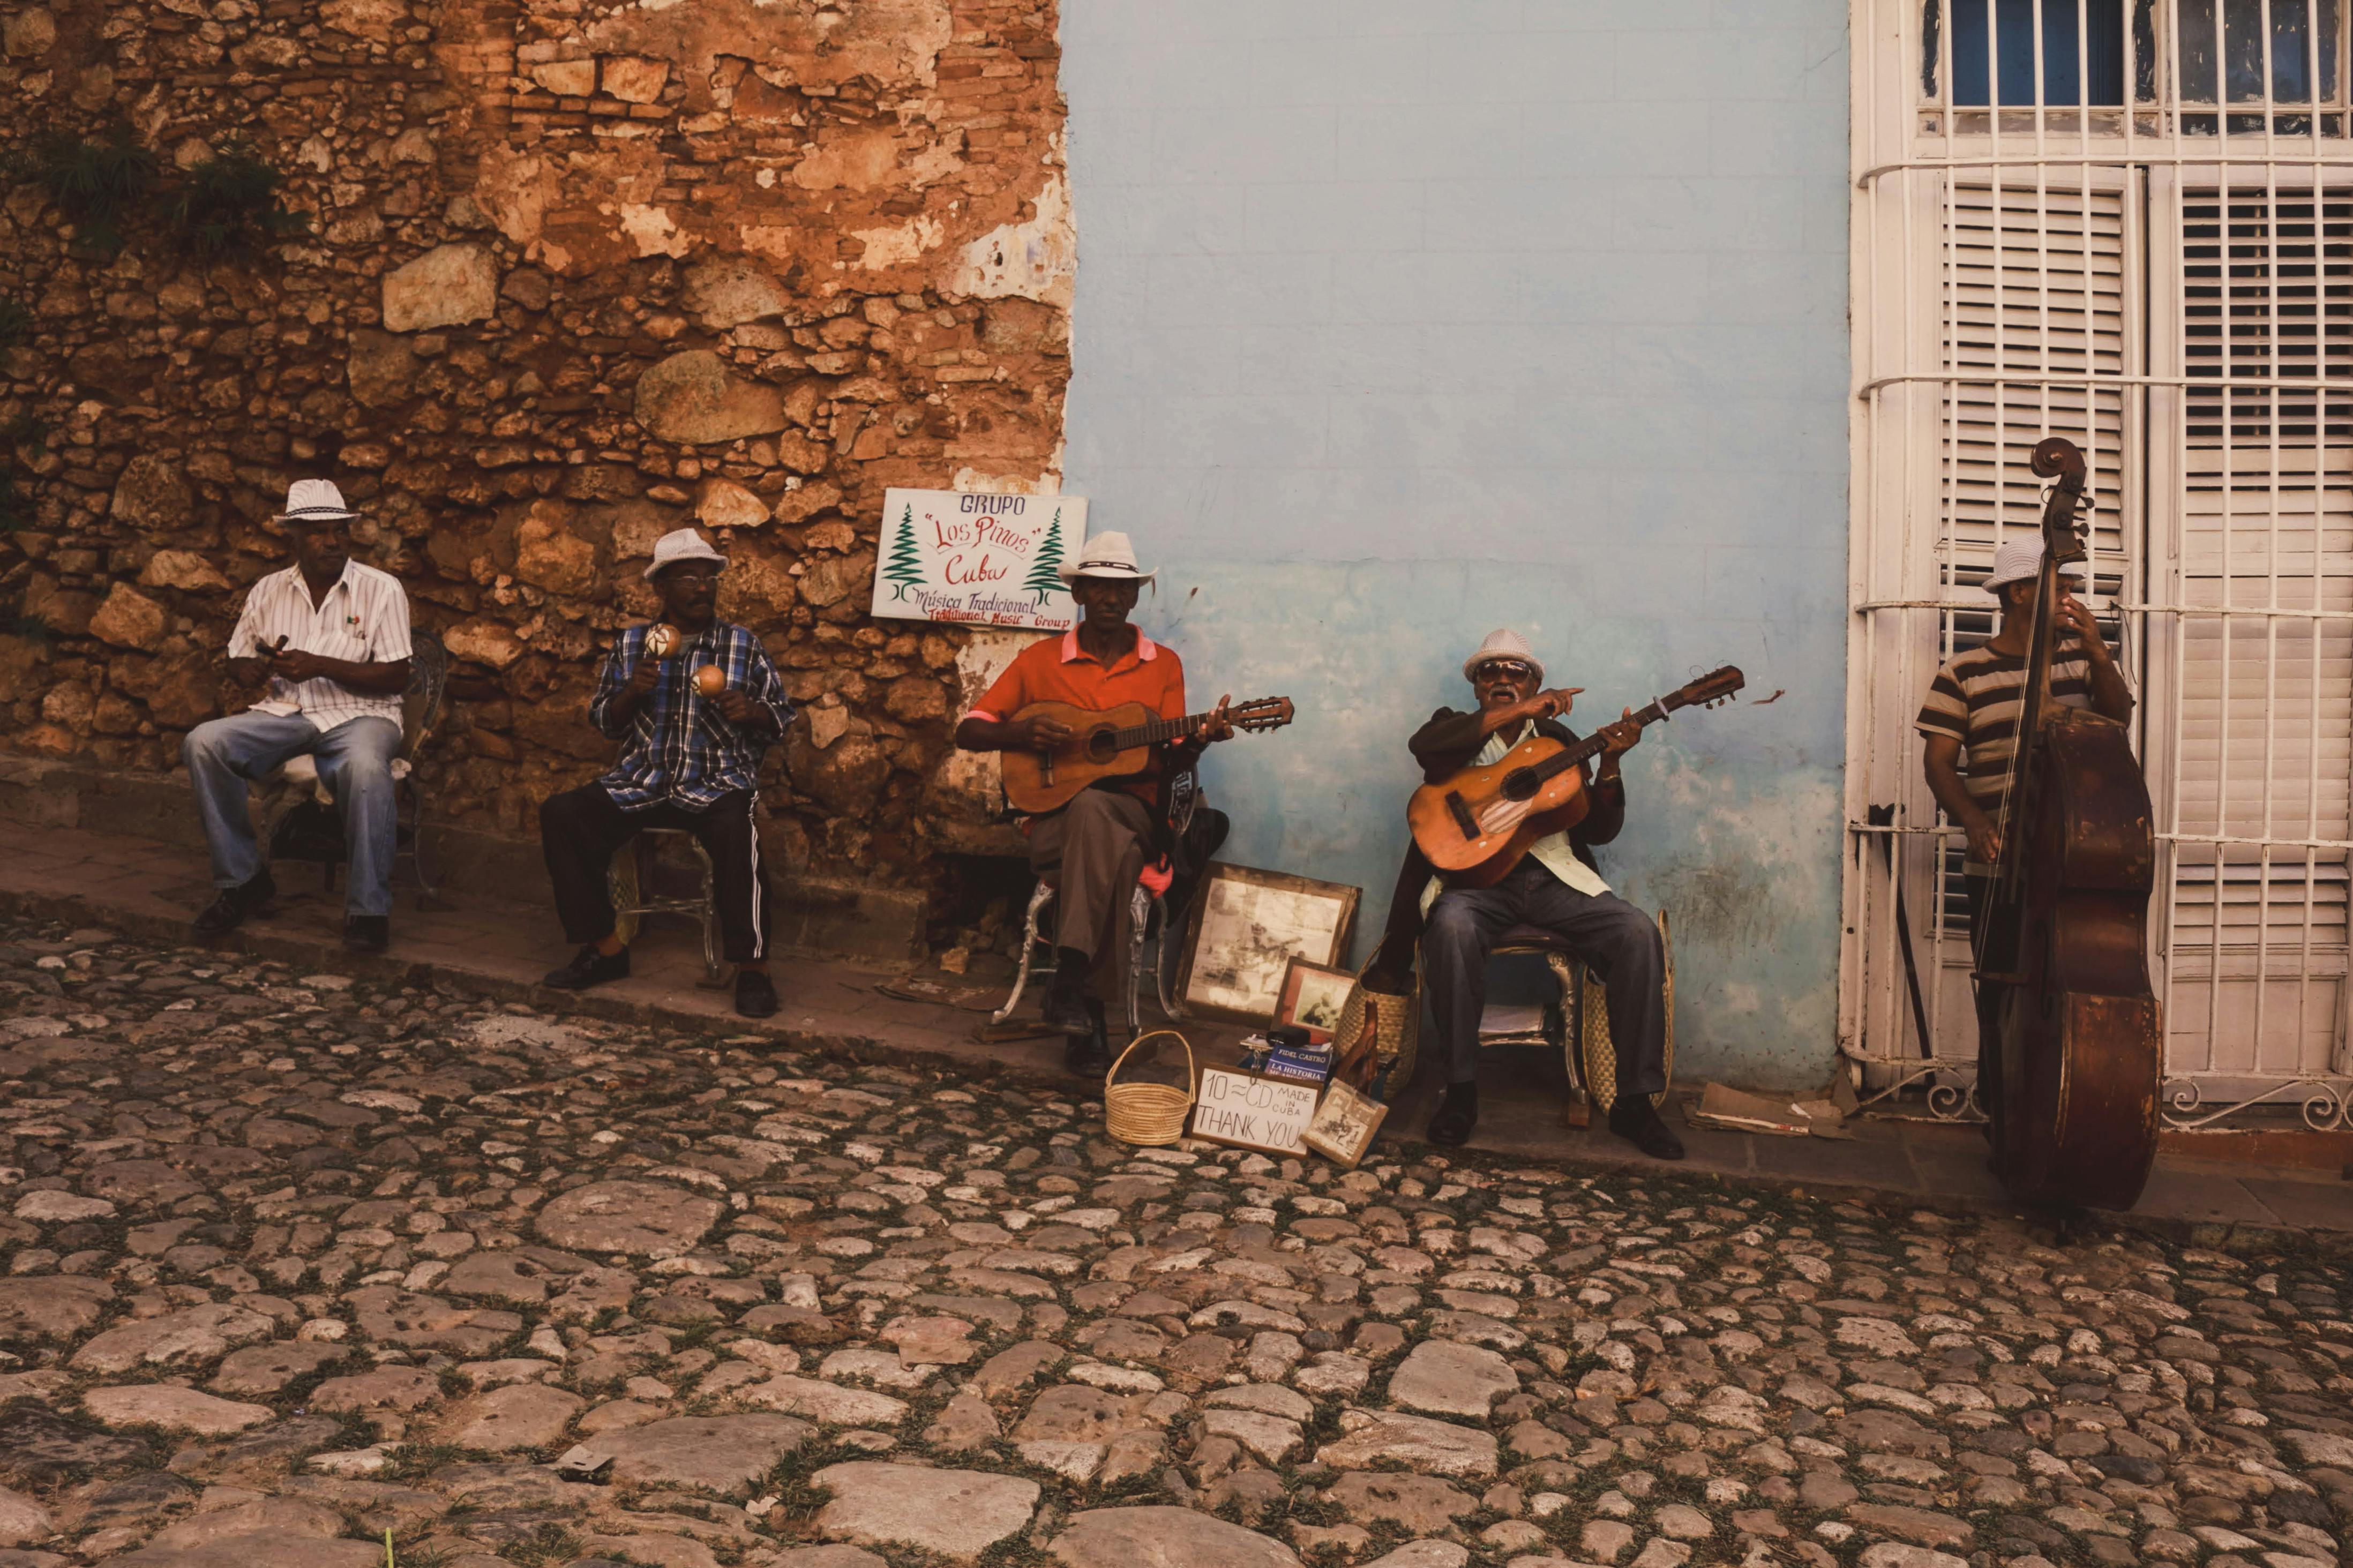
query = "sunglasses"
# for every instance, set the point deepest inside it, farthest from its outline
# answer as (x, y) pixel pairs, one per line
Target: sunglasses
(1503, 668)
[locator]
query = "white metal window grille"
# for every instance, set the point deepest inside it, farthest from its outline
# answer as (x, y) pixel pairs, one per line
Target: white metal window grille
(2130, 223)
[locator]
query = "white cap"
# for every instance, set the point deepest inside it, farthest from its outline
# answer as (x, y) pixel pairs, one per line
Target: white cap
(1504, 643)
(1106, 555)
(681, 544)
(2020, 561)
(315, 500)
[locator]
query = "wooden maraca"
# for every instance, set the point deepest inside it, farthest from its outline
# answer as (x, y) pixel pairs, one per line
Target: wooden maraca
(662, 641)
(710, 680)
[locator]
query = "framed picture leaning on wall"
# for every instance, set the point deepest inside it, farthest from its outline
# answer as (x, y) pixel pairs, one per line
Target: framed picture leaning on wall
(1250, 924)
(1312, 995)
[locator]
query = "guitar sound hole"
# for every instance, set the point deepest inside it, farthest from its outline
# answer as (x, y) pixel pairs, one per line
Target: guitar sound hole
(1101, 747)
(1519, 785)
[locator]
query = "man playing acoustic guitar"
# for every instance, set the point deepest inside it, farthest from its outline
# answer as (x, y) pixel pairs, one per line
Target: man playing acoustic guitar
(1094, 848)
(1554, 886)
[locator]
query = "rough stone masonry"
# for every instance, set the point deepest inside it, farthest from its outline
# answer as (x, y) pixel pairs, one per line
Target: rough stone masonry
(575, 274)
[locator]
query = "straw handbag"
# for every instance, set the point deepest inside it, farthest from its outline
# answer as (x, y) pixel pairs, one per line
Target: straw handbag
(1148, 1113)
(1393, 1021)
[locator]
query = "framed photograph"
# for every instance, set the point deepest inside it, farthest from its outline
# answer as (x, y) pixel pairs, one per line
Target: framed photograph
(1312, 995)
(1248, 925)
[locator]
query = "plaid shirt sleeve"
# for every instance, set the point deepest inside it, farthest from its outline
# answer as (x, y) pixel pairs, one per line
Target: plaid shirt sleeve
(614, 674)
(763, 685)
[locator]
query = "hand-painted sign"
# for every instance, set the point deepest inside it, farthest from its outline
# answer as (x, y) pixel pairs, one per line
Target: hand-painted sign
(987, 560)
(1252, 1112)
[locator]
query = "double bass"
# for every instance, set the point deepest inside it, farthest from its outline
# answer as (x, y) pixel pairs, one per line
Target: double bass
(2066, 1010)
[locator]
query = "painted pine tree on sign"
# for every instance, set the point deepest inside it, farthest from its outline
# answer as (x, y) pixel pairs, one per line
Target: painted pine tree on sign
(1044, 580)
(905, 567)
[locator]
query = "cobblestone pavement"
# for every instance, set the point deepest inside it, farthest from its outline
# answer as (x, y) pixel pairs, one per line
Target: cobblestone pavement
(295, 1261)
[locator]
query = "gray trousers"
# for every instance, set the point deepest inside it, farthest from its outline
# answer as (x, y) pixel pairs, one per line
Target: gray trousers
(1618, 942)
(1093, 851)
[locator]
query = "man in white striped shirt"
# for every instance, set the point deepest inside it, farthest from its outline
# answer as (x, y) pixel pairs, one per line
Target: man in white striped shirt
(331, 636)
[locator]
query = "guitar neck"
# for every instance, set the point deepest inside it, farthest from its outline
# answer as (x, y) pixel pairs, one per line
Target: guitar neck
(1579, 752)
(1152, 731)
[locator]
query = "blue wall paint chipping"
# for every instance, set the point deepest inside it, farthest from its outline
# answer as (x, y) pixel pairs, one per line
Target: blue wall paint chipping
(1397, 322)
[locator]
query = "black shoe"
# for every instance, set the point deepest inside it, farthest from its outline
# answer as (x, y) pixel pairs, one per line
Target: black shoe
(1089, 1055)
(1456, 1115)
(367, 934)
(227, 912)
(589, 967)
(1066, 1009)
(756, 994)
(1635, 1119)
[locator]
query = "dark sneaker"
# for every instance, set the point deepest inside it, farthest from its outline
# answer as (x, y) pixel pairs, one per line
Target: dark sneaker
(1089, 1055)
(756, 994)
(1452, 1122)
(227, 912)
(1635, 1119)
(589, 967)
(367, 934)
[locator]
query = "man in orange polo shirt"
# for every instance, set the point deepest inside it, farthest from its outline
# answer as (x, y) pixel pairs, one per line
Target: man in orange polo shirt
(1094, 848)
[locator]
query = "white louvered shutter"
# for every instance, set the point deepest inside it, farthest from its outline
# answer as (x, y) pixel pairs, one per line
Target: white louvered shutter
(2263, 701)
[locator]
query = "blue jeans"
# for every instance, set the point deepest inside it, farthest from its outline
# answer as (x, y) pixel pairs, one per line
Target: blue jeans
(355, 761)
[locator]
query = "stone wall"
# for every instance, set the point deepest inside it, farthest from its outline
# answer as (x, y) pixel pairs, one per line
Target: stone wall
(575, 274)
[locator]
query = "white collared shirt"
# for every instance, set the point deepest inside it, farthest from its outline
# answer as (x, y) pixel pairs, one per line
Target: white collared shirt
(363, 619)
(1553, 852)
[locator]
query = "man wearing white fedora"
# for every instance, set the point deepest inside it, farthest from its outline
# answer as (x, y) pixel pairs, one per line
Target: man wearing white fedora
(694, 718)
(1555, 886)
(1972, 708)
(1094, 848)
(330, 637)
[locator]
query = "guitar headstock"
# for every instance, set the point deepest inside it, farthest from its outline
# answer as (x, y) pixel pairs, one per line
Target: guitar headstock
(1710, 689)
(1260, 714)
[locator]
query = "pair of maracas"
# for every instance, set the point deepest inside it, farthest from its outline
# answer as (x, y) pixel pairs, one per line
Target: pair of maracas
(662, 640)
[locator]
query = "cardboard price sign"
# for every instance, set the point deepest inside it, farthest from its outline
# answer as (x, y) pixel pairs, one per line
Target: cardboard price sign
(1248, 1112)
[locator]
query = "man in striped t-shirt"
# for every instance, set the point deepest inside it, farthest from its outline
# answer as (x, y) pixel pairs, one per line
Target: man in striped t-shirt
(329, 636)
(1973, 709)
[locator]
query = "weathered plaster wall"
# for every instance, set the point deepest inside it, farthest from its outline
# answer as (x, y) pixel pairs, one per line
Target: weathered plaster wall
(1397, 322)
(576, 274)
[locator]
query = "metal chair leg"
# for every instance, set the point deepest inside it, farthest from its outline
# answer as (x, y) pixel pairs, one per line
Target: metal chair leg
(1569, 975)
(713, 965)
(1139, 918)
(1039, 896)
(1170, 945)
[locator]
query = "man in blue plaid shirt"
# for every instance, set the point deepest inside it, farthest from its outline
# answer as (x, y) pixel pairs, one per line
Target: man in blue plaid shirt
(691, 749)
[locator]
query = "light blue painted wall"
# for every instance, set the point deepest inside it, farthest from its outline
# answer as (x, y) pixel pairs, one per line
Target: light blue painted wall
(1398, 322)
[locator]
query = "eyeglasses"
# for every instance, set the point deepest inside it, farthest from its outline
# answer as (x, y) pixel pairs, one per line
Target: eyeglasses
(1504, 669)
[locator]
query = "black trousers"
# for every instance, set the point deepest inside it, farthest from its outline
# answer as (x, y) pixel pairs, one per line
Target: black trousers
(1616, 938)
(582, 829)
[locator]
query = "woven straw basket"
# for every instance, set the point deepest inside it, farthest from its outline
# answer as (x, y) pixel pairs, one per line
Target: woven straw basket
(1148, 1113)
(1396, 1024)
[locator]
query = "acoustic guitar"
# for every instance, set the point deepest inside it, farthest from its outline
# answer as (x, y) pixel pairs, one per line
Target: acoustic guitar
(1114, 743)
(1475, 826)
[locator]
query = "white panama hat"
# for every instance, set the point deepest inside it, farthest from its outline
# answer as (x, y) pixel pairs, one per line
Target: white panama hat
(681, 544)
(2020, 561)
(1106, 555)
(1504, 643)
(315, 500)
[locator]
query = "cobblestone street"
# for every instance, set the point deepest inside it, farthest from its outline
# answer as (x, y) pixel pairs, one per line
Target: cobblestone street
(295, 1261)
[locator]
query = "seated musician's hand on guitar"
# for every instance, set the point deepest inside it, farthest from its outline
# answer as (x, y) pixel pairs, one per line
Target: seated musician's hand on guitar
(1214, 725)
(1620, 737)
(1036, 735)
